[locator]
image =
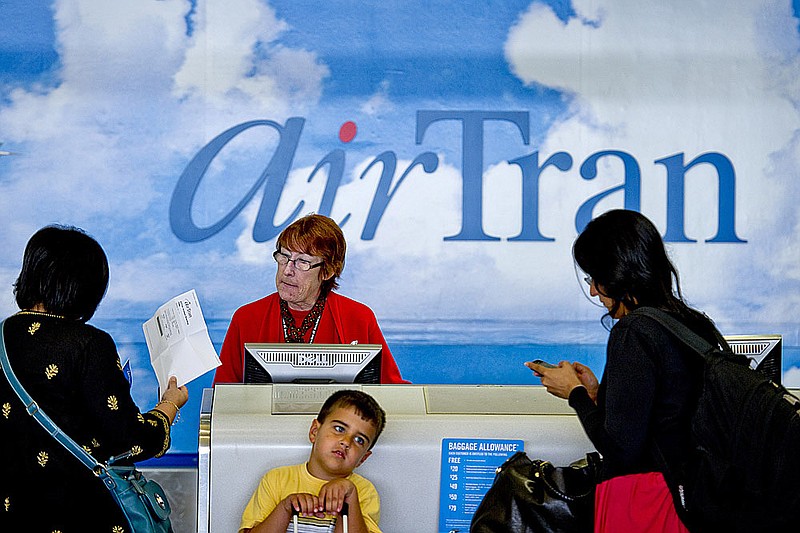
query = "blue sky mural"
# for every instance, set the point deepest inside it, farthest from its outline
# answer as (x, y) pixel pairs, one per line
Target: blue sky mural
(105, 105)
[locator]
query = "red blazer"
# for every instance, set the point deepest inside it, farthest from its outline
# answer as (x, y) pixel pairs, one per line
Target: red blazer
(260, 321)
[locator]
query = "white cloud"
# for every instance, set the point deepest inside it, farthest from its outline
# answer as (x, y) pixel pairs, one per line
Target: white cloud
(136, 95)
(235, 70)
(135, 92)
(220, 55)
(654, 79)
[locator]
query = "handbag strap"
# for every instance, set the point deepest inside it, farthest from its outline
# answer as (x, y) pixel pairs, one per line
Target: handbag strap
(33, 409)
(543, 468)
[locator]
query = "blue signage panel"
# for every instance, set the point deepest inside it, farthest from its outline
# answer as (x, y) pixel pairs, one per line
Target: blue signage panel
(468, 469)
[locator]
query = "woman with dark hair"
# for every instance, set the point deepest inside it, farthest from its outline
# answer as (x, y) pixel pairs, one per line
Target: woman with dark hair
(310, 257)
(73, 372)
(638, 415)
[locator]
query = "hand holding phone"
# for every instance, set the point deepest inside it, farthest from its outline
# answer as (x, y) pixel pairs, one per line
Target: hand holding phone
(545, 364)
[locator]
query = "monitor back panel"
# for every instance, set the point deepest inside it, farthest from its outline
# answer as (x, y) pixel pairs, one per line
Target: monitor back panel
(301, 367)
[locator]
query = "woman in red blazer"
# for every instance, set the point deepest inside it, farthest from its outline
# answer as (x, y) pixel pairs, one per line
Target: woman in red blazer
(310, 257)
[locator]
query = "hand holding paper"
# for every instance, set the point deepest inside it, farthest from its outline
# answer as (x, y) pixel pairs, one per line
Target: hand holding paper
(178, 342)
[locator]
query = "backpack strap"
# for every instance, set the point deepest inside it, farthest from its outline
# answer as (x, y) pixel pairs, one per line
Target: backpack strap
(681, 331)
(675, 474)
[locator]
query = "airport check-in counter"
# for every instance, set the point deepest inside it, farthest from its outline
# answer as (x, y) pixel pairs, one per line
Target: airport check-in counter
(246, 430)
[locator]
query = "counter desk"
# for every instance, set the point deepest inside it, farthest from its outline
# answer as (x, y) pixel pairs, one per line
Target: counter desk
(246, 430)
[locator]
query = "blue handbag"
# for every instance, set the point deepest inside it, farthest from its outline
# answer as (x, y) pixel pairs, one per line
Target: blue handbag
(143, 501)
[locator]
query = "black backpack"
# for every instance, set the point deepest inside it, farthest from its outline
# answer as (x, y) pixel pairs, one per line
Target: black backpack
(744, 472)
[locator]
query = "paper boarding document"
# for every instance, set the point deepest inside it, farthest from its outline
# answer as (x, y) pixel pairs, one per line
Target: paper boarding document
(178, 342)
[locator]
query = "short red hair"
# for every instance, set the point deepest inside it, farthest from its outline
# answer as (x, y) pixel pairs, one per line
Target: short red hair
(321, 236)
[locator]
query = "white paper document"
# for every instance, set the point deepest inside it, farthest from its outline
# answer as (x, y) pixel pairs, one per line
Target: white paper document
(178, 341)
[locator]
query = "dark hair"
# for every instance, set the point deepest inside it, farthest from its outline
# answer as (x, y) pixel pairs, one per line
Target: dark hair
(321, 236)
(624, 254)
(64, 270)
(364, 404)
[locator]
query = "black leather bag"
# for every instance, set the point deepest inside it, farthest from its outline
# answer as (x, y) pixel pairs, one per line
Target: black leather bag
(535, 496)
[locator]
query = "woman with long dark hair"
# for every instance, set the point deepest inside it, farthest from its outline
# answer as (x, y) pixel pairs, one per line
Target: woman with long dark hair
(73, 372)
(638, 415)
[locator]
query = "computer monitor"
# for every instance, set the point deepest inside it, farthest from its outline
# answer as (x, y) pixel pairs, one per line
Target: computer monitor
(312, 363)
(764, 351)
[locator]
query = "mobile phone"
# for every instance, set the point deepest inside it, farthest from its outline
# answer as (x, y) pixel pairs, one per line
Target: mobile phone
(544, 364)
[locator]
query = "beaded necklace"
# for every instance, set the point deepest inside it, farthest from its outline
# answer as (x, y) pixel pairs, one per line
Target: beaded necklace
(291, 332)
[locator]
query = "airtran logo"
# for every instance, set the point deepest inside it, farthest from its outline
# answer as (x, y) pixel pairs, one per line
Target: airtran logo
(274, 177)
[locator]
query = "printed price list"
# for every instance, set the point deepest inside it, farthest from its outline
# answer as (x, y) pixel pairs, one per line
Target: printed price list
(467, 471)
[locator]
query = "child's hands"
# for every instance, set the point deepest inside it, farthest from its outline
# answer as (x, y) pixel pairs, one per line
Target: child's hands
(336, 492)
(304, 503)
(331, 497)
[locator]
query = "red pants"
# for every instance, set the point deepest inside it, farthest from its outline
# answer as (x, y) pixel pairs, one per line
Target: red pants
(637, 503)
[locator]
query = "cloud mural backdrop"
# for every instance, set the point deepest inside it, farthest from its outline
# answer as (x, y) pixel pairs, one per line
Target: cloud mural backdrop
(485, 133)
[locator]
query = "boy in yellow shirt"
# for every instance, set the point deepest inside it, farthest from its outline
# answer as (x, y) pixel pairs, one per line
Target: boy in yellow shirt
(342, 437)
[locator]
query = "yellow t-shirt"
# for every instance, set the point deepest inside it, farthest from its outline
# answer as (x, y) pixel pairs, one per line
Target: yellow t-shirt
(280, 482)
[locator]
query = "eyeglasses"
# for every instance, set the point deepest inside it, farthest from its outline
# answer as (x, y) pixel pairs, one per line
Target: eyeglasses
(588, 280)
(300, 264)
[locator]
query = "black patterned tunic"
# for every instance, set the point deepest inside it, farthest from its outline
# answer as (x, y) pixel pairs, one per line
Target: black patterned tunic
(73, 372)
